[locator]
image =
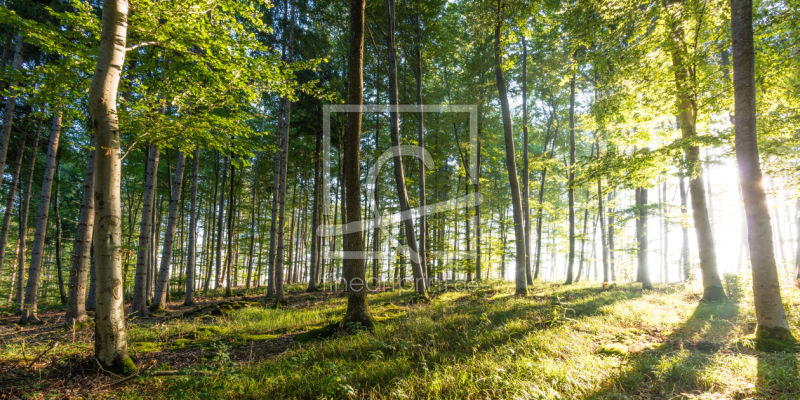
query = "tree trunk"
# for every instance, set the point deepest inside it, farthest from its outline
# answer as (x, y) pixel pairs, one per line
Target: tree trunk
(712, 285)
(641, 237)
(91, 298)
(770, 314)
(274, 214)
(81, 249)
(231, 209)
(583, 238)
(218, 272)
(12, 195)
(526, 204)
(601, 217)
(253, 224)
(160, 297)
(511, 163)
(355, 268)
(611, 263)
(316, 240)
(140, 281)
(571, 183)
(111, 348)
(192, 247)
(59, 269)
(37, 248)
(665, 234)
(423, 219)
(376, 232)
(210, 225)
(417, 259)
(23, 220)
(11, 104)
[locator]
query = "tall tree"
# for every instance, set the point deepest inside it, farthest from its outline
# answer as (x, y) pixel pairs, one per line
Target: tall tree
(140, 280)
(111, 347)
(417, 258)
(23, 220)
(191, 258)
(687, 114)
(526, 190)
(770, 314)
(12, 194)
(160, 298)
(354, 268)
(571, 183)
(511, 162)
(11, 104)
(37, 248)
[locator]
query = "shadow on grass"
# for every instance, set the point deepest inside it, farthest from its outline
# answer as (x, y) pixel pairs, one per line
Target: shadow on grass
(778, 376)
(675, 367)
(437, 336)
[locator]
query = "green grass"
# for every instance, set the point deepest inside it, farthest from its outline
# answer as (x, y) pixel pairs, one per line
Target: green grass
(579, 341)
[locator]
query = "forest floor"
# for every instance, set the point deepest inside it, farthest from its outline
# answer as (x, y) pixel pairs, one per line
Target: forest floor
(578, 341)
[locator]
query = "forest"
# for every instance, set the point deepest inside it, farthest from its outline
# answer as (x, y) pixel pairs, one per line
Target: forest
(427, 199)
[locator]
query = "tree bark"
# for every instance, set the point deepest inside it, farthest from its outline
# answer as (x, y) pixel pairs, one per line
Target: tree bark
(511, 163)
(770, 314)
(417, 259)
(111, 348)
(423, 219)
(526, 204)
(12, 195)
(160, 297)
(229, 250)
(11, 104)
(37, 248)
(250, 259)
(59, 269)
(641, 237)
(685, 233)
(81, 249)
(140, 281)
(571, 183)
(23, 220)
(218, 271)
(355, 268)
(192, 247)
(712, 285)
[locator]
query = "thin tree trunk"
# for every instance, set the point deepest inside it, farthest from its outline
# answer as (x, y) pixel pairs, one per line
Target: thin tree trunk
(12, 194)
(11, 104)
(192, 247)
(611, 247)
(218, 272)
(37, 248)
(685, 233)
(525, 164)
(231, 209)
(160, 297)
(712, 285)
(23, 221)
(252, 225)
(571, 183)
(140, 281)
(770, 314)
(417, 259)
(641, 237)
(111, 348)
(210, 225)
(583, 238)
(59, 269)
(511, 163)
